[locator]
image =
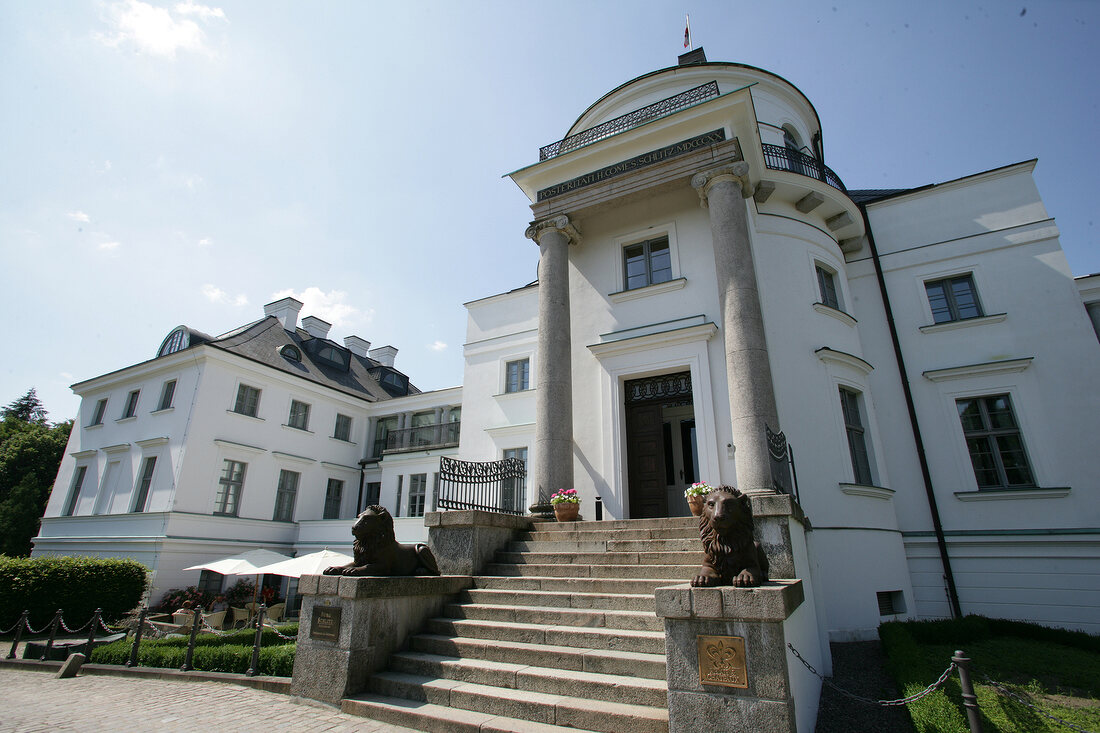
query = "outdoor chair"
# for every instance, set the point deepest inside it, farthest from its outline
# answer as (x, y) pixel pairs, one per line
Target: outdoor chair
(275, 613)
(217, 619)
(241, 616)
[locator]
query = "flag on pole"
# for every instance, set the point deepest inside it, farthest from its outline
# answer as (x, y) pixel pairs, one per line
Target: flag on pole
(687, 32)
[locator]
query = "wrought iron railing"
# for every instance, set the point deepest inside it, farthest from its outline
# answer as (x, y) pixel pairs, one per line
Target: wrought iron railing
(784, 475)
(440, 435)
(665, 107)
(492, 486)
(779, 158)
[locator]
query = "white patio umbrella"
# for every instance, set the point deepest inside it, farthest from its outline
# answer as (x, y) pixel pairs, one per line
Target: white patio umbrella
(314, 563)
(246, 563)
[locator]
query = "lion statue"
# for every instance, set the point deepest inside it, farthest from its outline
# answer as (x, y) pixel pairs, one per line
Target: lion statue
(377, 551)
(731, 555)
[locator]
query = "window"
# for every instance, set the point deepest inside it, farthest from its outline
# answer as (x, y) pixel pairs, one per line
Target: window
(210, 582)
(334, 493)
(418, 484)
(513, 490)
(517, 375)
(374, 493)
(131, 404)
(647, 263)
(890, 602)
(299, 415)
(994, 442)
(144, 481)
(397, 503)
(285, 495)
(179, 339)
(248, 400)
(826, 285)
(383, 428)
(167, 392)
(229, 488)
(342, 429)
(857, 441)
(953, 299)
(97, 415)
(290, 352)
(74, 490)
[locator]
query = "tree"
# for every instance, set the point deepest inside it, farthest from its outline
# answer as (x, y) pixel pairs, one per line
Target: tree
(27, 408)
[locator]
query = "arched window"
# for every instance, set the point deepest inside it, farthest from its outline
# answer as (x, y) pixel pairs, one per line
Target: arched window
(179, 339)
(290, 352)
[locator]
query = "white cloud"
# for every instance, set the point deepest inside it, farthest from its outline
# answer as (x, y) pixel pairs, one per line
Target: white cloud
(437, 346)
(66, 377)
(206, 242)
(155, 30)
(216, 295)
(78, 216)
(109, 246)
(330, 306)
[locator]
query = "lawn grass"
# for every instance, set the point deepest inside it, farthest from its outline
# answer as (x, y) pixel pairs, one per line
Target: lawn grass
(1057, 671)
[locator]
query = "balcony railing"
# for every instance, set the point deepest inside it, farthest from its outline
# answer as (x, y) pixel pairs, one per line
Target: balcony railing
(779, 158)
(665, 107)
(425, 437)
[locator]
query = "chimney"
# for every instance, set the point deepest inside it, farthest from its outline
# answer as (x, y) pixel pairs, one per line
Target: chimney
(357, 346)
(315, 327)
(693, 57)
(384, 355)
(286, 310)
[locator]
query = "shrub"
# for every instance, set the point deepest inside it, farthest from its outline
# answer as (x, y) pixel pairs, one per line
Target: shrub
(76, 585)
(229, 653)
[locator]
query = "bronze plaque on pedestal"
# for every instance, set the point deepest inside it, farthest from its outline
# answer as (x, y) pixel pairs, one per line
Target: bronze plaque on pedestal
(325, 625)
(722, 661)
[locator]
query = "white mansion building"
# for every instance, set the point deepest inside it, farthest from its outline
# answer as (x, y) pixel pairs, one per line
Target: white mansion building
(704, 278)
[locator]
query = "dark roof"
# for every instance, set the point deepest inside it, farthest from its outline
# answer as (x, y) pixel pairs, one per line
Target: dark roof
(261, 341)
(868, 195)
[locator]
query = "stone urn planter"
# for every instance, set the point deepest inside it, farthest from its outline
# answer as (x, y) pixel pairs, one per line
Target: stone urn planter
(567, 511)
(696, 495)
(695, 503)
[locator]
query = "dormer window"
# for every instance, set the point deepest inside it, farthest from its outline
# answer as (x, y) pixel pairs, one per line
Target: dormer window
(290, 352)
(329, 354)
(178, 340)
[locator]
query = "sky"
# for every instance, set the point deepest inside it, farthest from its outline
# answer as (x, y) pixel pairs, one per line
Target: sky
(167, 163)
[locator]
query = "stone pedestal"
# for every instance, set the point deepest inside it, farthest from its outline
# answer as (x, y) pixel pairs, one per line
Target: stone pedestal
(737, 637)
(464, 541)
(350, 626)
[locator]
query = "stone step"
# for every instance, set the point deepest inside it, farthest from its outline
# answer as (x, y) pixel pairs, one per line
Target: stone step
(630, 640)
(605, 545)
(611, 619)
(579, 535)
(424, 716)
(562, 599)
(611, 524)
(602, 558)
(604, 661)
(529, 705)
(577, 585)
(559, 570)
(510, 675)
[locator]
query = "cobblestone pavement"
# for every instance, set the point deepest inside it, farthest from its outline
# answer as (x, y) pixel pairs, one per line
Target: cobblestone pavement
(37, 701)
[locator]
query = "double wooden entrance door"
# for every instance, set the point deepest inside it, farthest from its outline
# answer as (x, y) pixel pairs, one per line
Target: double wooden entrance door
(647, 440)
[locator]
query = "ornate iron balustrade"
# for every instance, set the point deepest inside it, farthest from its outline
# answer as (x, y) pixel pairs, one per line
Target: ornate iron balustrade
(665, 107)
(492, 486)
(784, 475)
(440, 435)
(779, 158)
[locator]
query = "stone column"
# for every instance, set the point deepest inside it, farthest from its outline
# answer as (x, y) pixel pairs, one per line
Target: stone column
(722, 191)
(553, 462)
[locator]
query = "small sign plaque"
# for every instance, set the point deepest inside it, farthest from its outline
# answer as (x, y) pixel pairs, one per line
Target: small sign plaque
(722, 661)
(326, 623)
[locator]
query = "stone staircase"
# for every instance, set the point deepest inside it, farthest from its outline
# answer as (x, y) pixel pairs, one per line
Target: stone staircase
(559, 634)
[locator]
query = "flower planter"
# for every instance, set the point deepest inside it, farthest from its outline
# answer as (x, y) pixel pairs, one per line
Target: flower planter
(695, 503)
(567, 511)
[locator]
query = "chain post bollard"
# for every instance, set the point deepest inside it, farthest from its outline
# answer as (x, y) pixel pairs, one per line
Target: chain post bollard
(18, 635)
(91, 633)
(132, 661)
(196, 622)
(256, 644)
(970, 700)
(53, 634)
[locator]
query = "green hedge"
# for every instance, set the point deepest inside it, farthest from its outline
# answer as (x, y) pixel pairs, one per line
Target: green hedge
(229, 653)
(76, 585)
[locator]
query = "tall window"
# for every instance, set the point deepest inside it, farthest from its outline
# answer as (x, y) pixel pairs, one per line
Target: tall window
(418, 484)
(647, 263)
(382, 429)
(97, 415)
(166, 393)
(857, 441)
(74, 490)
(286, 495)
(513, 490)
(994, 441)
(248, 400)
(953, 299)
(299, 415)
(131, 404)
(374, 493)
(210, 582)
(229, 488)
(334, 493)
(826, 285)
(145, 480)
(342, 429)
(517, 375)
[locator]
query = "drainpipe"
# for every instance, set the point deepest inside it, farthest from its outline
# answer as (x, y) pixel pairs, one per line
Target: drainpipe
(952, 593)
(362, 474)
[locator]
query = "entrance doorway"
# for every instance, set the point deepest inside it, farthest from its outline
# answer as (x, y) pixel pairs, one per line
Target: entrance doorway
(661, 444)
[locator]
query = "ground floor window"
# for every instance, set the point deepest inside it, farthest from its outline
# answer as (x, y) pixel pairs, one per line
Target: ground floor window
(418, 484)
(513, 490)
(285, 495)
(334, 494)
(857, 439)
(994, 442)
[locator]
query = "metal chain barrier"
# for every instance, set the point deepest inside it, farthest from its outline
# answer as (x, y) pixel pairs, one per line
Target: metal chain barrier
(109, 630)
(13, 628)
(278, 633)
(38, 631)
(1000, 688)
(207, 627)
(67, 630)
(885, 703)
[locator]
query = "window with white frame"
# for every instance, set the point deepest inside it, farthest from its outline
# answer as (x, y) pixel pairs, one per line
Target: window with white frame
(517, 375)
(826, 286)
(285, 495)
(382, 428)
(342, 429)
(210, 582)
(994, 442)
(131, 404)
(418, 485)
(857, 439)
(74, 491)
(145, 480)
(230, 485)
(647, 263)
(334, 494)
(167, 392)
(953, 299)
(513, 490)
(248, 400)
(97, 414)
(299, 415)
